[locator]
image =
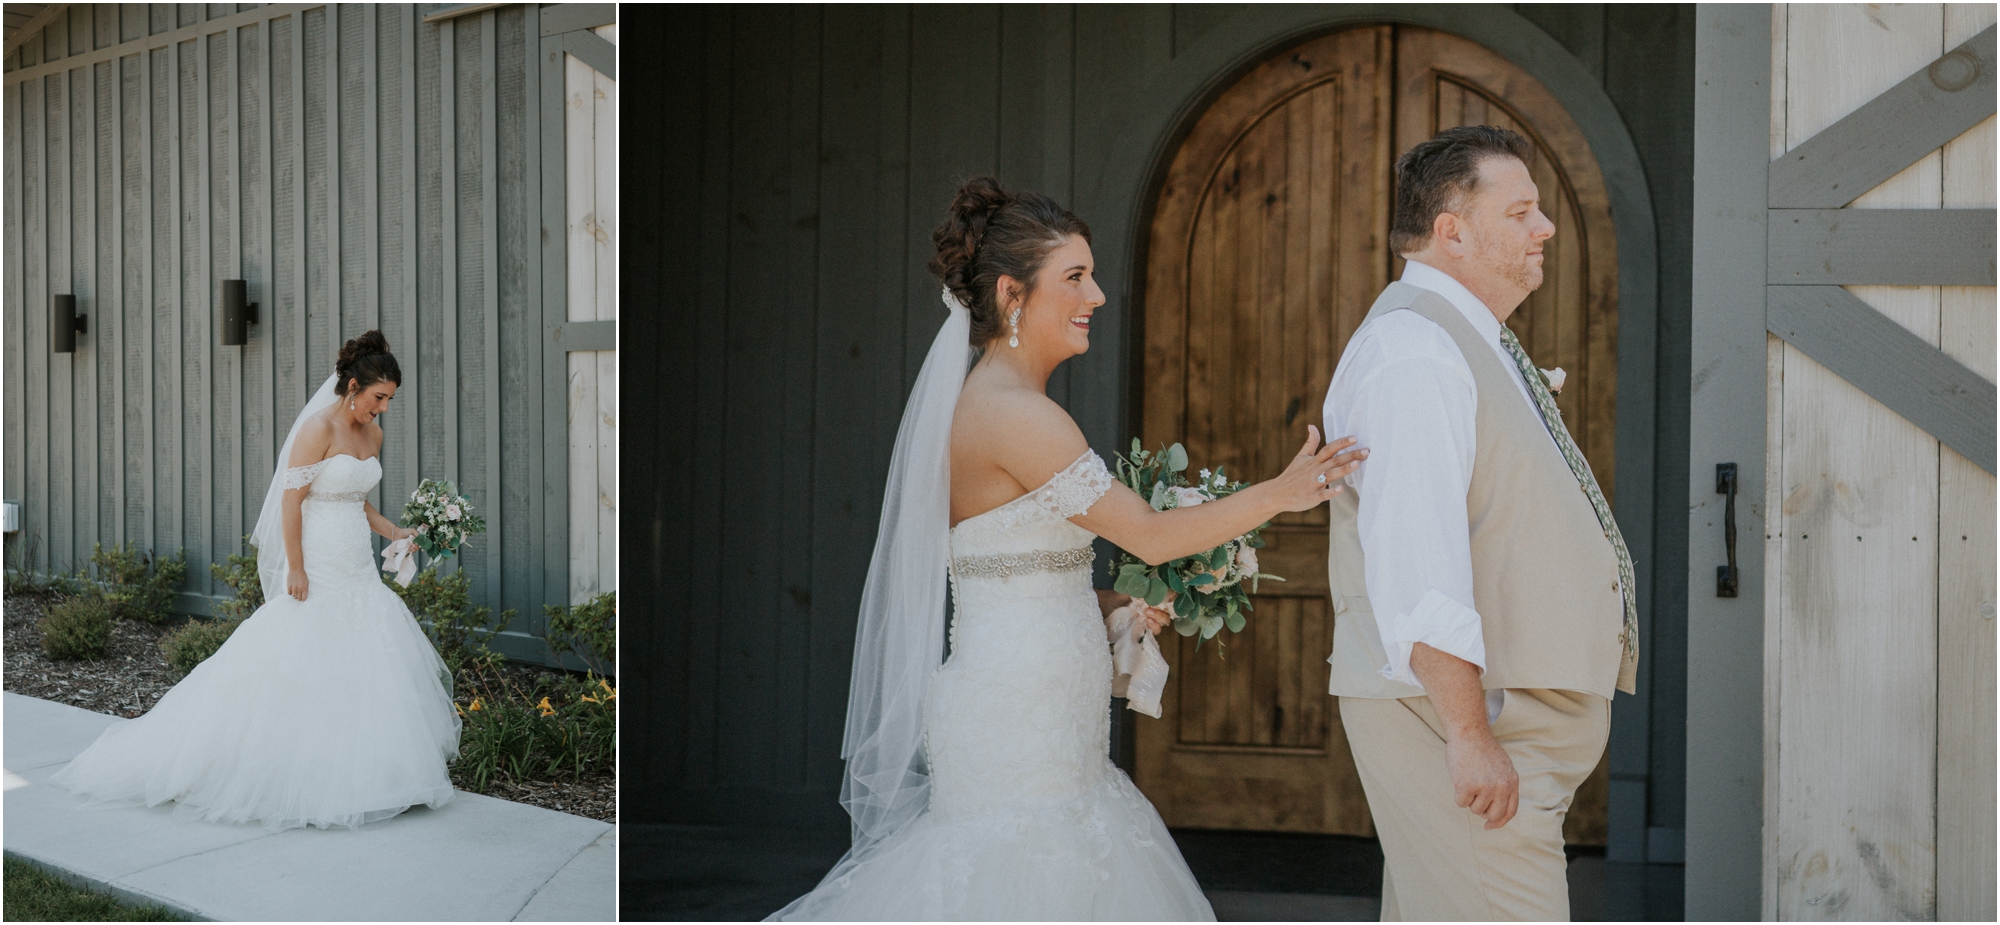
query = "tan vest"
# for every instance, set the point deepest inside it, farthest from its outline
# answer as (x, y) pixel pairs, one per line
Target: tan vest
(1544, 578)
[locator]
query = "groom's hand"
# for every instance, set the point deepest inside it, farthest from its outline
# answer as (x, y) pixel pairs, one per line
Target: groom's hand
(1483, 778)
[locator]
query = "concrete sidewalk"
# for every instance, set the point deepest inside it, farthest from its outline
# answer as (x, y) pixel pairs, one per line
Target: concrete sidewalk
(475, 859)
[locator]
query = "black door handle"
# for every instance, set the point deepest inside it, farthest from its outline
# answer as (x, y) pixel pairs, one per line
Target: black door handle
(1725, 484)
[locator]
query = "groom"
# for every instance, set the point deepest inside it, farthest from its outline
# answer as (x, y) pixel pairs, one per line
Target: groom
(1483, 601)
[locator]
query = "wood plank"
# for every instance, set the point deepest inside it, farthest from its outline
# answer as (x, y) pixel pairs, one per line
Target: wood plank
(1885, 247)
(1901, 124)
(605, 101)
(1118, 50)
(797, 161)
(139, 258)
(545, 153)
(303, 379)
(170, 352)
(858, 374)
(63, 540)
(493, 475)
(37, 521)
(1893, 366)
(448, 208)
(598, 54)
(754, 444)
(196, 320)
(569, 17)
(1966, 554)
(533, 367)
(101, 481)
(1856, 814)
(259, 209)
(580, 204)
(86, 185)
(14, 350)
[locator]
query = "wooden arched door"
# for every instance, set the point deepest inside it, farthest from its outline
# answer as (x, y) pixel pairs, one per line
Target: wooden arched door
(1268, 243)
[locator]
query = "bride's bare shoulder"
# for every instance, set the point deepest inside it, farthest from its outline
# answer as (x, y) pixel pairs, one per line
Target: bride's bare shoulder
(314, 439)
(1021, 430)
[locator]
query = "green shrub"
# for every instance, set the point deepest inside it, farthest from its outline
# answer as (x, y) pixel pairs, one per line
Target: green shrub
(25, 577)
(567, 725)
(588, 630)
(77, 628)
(240, 575)
(442, 604)
(195, 641)
(138, 585)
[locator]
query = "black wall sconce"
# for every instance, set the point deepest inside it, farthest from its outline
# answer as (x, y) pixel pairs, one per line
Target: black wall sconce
(65, 324)
(236, 313)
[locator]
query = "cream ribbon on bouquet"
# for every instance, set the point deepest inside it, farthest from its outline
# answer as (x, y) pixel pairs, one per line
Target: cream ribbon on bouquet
(401, 558)
(1139, 671)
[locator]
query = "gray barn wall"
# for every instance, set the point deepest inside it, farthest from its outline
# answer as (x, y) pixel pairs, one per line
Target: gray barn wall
(359, 168)
(797, 159)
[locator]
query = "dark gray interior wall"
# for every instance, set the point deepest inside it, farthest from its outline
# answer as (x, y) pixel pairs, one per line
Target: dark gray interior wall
(795, 160)
(1644, 54)
(359, 168)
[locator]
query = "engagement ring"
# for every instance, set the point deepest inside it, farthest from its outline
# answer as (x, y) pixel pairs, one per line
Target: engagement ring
(1322, 478)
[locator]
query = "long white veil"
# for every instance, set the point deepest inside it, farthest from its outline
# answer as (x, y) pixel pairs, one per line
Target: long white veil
(269, 535)
(899, 640)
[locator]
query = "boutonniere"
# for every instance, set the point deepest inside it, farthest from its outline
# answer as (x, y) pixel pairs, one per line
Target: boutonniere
(1555, 378)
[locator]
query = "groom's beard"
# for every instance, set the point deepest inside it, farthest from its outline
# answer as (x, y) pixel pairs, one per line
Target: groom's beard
(1511, 265)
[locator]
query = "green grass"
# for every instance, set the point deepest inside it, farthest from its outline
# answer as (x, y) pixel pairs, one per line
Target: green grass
(35, 895)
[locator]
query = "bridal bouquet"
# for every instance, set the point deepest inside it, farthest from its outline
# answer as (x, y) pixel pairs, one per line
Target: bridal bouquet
(1207, 587)
(442, 517)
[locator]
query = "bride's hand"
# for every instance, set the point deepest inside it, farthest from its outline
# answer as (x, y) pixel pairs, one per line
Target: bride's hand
(1156, 618)
(1315, 473)
(295, 583)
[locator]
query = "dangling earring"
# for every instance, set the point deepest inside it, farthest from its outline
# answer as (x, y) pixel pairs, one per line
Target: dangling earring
(1015, 321)
(350, 404)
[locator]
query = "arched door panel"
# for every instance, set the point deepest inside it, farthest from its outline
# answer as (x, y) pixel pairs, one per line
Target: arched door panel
(1268, 244)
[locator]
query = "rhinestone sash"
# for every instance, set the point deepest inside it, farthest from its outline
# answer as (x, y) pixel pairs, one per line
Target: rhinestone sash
(1007, 565)
(337, 496)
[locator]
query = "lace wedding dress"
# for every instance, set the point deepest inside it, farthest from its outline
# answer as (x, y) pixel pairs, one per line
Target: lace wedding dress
(1028, 819)
(332, 711)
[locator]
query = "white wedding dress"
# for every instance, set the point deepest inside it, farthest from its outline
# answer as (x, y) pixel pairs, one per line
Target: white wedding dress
(1028, 818)
(332, 711)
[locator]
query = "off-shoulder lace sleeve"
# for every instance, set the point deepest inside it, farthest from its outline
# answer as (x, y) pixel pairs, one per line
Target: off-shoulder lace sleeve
(301, 476)
(1073, 490)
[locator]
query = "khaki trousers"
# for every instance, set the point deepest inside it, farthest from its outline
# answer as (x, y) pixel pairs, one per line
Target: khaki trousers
(1443, 864)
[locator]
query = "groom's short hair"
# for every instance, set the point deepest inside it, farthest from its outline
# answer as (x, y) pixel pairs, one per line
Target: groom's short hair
(1437, 175)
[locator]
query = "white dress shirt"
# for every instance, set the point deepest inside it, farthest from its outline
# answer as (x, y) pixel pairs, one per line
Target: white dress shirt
(1404, 389)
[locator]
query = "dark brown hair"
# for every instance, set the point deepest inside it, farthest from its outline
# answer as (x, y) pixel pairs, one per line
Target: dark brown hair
(1438, 176)
(989, 233)
(366, 360)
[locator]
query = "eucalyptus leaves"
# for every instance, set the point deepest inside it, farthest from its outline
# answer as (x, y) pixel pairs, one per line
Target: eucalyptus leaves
(1207, 587)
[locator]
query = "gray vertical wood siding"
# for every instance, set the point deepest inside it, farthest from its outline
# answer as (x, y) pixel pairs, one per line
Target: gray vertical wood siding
(360, 168)
(796, 160)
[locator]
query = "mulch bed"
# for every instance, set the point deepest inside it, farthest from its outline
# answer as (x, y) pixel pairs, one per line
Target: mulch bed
(133, 674)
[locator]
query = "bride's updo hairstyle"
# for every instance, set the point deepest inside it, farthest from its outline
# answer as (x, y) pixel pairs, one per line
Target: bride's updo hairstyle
(989, 233)
(366, 360)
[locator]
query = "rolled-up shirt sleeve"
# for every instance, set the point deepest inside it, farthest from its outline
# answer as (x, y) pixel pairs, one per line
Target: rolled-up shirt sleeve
(1414, 409)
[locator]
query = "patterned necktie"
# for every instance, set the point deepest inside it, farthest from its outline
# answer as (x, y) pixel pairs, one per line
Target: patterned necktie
(1545, 404)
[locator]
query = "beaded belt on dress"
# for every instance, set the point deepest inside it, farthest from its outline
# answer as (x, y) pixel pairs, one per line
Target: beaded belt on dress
(1007, 565)
(337, 496)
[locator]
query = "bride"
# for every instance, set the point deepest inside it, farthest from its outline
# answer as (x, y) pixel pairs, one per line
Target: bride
(328, 706)
(982, 788)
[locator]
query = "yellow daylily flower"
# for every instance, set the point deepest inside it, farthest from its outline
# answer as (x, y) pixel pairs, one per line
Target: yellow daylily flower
(589, 699)
(476, 705)
(545, 708)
